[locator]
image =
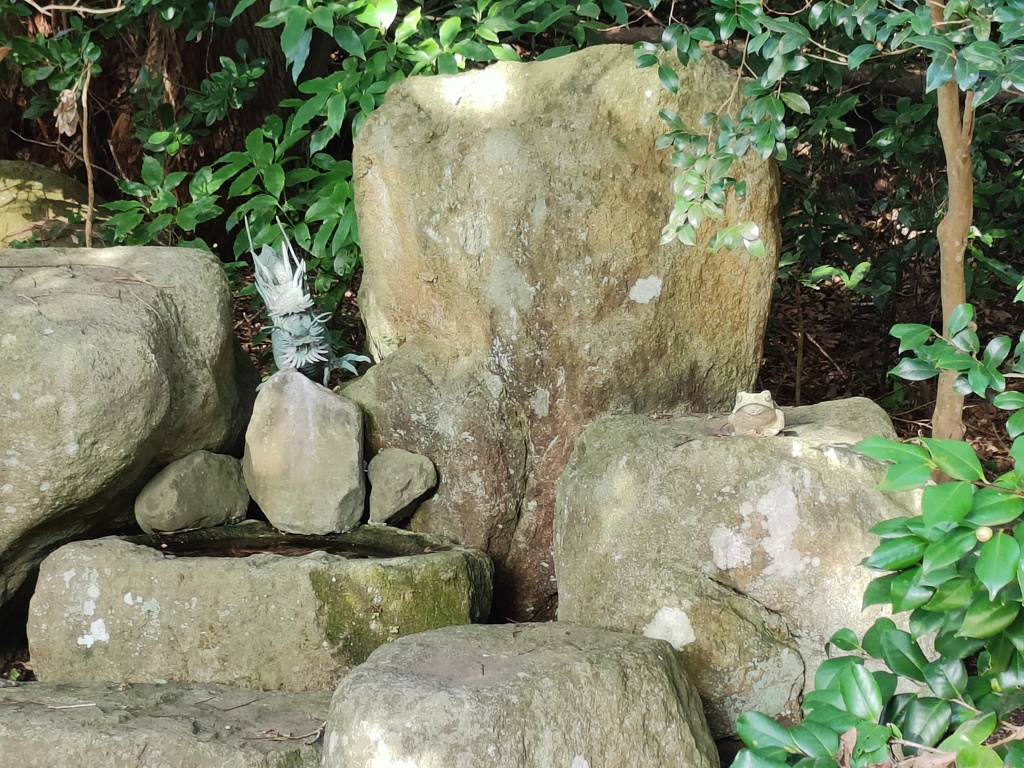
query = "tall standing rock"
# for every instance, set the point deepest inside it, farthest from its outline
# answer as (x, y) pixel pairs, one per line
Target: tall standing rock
(510, 222)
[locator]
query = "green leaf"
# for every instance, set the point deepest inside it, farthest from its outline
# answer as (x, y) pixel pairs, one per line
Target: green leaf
(349, 41)
(909, 592)
(882, 449)
(473, 50)
(939, 72)
(986, 618)
(997, 563)
(446, 65)
(946, 677)
(845, 640)
(897, 554)
(905, 476)
(961, 316)
(669, 78)
(994, 506)
(970, 733)
(860, 692)
(956, 458)
(448, 31)
(946, 503)
(951, 596)
(903, 655)
(815, 739)
(948, 550)
(983, 53)
(953, 647)
(748, 759)
(978, 756)
(379, 14)
(912, 335)
(913, 369)
(859, 55)
(879, 591)
(759, 731)
(152, 171)
(1015, 425)
(924, 720)
(273, 180)
(554, 53)
(796, 102)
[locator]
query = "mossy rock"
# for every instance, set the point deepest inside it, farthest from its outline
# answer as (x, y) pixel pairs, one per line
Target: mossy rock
(114, 610)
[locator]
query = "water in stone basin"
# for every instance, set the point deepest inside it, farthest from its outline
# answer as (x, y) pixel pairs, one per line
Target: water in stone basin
(253, 538)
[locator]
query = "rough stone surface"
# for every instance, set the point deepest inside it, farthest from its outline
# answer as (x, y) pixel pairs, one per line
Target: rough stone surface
(116, 362)
(303, 459)
(398, 479)
(156, 726)
(512, 217)
(519, 696)
(743, 552)
(111, 611)
(200, 490)
(37, 204)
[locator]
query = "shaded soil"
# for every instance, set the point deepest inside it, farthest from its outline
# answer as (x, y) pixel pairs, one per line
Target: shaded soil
(830, 343)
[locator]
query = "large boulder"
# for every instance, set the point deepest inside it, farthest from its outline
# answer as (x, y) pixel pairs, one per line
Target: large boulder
(110, 610)
(510, 222)
(519, 696)
(743, 552)
(151, 726)
(116, 362)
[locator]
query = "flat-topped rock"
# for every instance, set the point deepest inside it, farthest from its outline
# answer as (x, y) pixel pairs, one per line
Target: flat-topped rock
(519, 696)
(153, 726)
(743, 552)
(109, 610)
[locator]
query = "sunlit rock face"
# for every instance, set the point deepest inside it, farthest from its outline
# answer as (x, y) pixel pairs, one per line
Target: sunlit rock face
(515, 287)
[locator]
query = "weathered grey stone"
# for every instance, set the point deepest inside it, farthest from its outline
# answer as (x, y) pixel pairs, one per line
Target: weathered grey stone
(429, 404)
(116, 362)
(200, 490)
(155, 726)
(512, 217)
(398, 479)
(108, 610)
(40, 205)
(303, 459)
(744, 552)
(519, 696)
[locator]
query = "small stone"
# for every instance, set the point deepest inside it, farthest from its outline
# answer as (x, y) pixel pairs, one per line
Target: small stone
(303, 458)
(398, 479)
(200, 490)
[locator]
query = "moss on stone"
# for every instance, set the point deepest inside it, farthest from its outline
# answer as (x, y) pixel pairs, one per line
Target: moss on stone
(374, 602)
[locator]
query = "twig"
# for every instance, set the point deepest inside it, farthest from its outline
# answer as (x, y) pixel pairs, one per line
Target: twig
(826, 354)
(90, 206)
(48, 10)
(64, 148)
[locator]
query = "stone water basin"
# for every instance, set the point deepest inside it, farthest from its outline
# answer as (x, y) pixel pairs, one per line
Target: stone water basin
(244, 605)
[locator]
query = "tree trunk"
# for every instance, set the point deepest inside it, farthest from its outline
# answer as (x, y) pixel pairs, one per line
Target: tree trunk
(957, 132)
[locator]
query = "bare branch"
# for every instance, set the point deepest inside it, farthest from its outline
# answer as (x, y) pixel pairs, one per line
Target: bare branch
(49, 10)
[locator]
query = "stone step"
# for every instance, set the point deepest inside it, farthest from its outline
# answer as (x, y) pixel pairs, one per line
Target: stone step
(57, 725)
